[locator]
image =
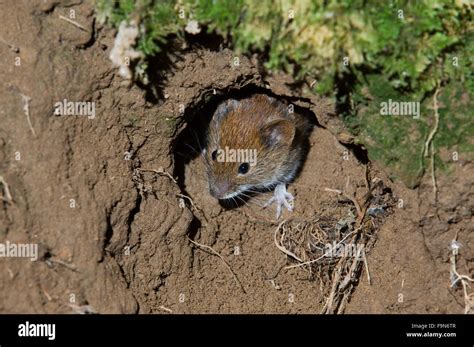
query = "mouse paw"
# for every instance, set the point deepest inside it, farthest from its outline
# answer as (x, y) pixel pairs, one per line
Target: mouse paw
(282, 198)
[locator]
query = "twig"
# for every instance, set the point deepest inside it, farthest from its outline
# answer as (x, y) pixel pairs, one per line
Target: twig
(26, 109)
(337, 275)
(337, 191)
(364, 257)
(8, 197)
(274, 285)
(47, 295)
(343, 303)
(210, 249)
(161, 307)
(350, 273)
(73, 23)
(160, 172)
(82, 309)
(60, 262)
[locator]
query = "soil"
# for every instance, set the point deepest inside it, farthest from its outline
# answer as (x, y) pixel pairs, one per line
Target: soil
(115, 229)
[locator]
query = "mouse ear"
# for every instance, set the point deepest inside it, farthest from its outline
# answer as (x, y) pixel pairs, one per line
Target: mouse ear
(278, 132)
(225, 107)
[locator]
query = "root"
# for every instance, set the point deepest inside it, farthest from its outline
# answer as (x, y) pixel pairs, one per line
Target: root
(198, 210)
(212, 251)
(280, 245)
(26, 109)
(160, 172)
(348, 197)
(435, 128)
(321, 257)
(464, 279)
(429, 145)
(50, 262)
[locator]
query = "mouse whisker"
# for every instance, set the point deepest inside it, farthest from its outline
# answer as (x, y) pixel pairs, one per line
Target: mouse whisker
(184, 155)
(241, 199)
(235, 201)
(248, 202)
(196, 137)
(247, 195)
(257, 191)
(193, 149)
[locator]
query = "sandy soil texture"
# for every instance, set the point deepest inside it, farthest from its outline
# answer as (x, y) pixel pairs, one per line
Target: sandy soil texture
(120, 208)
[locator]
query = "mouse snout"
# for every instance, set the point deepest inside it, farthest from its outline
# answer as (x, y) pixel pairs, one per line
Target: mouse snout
(219, 189)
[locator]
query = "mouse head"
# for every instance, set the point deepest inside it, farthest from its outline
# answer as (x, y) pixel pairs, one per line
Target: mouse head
(247, 145)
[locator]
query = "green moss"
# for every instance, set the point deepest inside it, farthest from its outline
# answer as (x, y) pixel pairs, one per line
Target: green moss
(398, 141)
(399, 50)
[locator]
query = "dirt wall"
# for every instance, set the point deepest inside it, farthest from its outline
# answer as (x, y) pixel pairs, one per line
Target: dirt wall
(114, 203)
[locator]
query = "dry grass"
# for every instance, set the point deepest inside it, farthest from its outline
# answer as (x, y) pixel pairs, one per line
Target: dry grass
(333, 251)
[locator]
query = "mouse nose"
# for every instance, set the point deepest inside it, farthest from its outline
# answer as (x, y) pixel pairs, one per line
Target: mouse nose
(219, 189)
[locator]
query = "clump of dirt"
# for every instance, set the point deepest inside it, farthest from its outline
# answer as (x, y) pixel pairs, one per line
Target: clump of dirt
(119, 203)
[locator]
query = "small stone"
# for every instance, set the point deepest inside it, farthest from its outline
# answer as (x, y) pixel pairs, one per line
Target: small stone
(193, 27)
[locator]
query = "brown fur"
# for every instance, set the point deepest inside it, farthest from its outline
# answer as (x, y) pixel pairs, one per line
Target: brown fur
(248, 124)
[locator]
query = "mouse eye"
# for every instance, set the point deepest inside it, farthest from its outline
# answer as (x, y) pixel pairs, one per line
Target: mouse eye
(214, 155)
(243, 168)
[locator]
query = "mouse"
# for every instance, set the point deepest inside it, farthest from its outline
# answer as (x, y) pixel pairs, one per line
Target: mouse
(255, 144)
